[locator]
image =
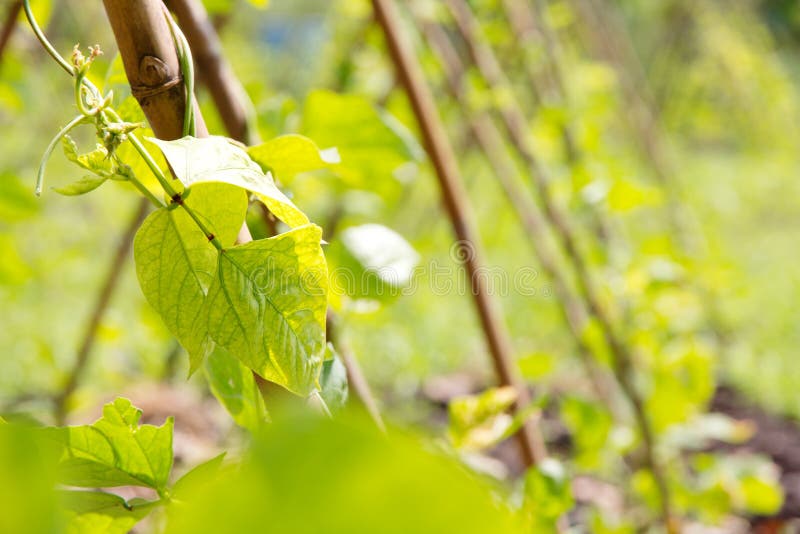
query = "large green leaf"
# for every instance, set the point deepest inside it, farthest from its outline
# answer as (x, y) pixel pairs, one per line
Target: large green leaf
(372, 262)
(116, 450)
(175, 262)
(288, 155)
(234, 386)
(267, 303)
(97, 512)
(217, 159)
(372, 143)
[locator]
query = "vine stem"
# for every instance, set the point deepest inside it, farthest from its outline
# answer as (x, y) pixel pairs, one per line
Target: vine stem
(459, 211)
(49, 150)
(515, 122)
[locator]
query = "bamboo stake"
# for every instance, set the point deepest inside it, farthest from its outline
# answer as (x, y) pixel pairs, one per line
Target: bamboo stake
(515, 125)
(459, 211)
(490, 142)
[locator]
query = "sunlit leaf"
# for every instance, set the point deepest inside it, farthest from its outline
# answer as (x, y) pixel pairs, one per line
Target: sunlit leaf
(116, 450)
(292, 154)
(82, 186)
(234, 386)
(266, 306)
(372, 144)
(98, 512)
(175, 262)
(218, 159)
(333, 379)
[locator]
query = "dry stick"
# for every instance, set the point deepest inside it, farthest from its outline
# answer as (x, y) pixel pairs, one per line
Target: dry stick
(104, 297)
(230, 99)
(10, 23)
(515, 124)
(490, 141)
(461, 216)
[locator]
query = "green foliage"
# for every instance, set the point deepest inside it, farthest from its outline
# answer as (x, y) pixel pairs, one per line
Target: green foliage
(234, 386)
(333, 380)
(26, 473)
(89, 512)
(266, 305)
(291, 154)
(548, 495)
(116, 450)
(175, 262)
(479, 422)
(371, 143)
(371, 261)
(316, 475)
(218, 159)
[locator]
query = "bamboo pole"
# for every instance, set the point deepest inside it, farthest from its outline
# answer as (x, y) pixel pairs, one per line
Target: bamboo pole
(490, 142)
(459, 211)
(515, 125)
(151, 64)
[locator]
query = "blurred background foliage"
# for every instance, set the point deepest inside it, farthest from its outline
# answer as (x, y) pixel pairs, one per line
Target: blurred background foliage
(716, 305)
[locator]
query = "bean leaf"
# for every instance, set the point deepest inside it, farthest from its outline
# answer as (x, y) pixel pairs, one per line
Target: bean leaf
(288, 155)
(116, 450)
(235, 388)
(175, 263)
(267, 304)
(217, 159)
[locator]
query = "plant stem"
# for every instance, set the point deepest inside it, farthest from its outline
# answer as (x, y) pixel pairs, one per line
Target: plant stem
(49, 150)
(104, 297)
(460, 213)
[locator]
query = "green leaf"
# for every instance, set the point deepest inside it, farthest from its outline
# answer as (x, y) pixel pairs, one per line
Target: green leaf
(288, 155)
(82, 186)
(175, 262)
(548, 491)
(372, 261)
(96, 161)
(333, 379)
(235, 388)
(480, 421)
(267, 304)
(198, 476)
(217, 159)
(116, 450)
(98, 512)
(371, 142)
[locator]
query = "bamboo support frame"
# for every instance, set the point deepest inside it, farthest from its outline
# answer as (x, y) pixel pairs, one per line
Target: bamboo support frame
(460, 213)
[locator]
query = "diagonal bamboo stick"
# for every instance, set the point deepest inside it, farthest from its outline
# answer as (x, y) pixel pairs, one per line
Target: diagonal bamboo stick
(515, 123)
(459, 211)
(490, 141)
